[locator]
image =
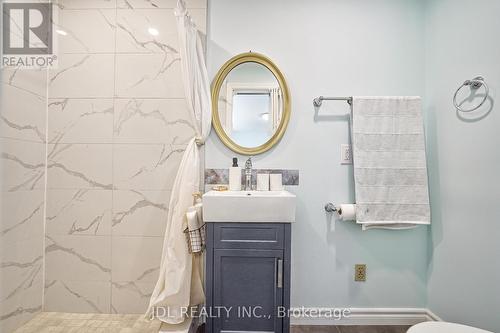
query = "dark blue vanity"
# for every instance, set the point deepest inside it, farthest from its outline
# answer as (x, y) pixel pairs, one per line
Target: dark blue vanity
(248, 277)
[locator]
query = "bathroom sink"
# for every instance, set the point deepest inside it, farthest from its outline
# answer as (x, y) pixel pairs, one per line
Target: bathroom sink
(249, 206)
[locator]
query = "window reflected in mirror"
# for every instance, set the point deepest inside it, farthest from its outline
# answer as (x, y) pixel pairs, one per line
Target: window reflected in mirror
(250, 104)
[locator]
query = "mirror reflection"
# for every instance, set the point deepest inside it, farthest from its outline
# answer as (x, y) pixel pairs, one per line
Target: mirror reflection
(250, 105)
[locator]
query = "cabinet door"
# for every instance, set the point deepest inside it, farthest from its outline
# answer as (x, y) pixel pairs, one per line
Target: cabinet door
(248, 283)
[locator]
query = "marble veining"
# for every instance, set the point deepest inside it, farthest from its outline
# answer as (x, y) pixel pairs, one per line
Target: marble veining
(53, 246)
(22, 104)
(21, 293)
(80, 296)
(152, 121)
(164, 66)
(147, 272)
(167, 153)
(75, 294)
(30, 271)
(79, 212)
(29, 82)
(26, 90)
(132, 265)
(133, 108)
(61, 154)
(87, 75)
(22, 155)
(13, 158)
(146, 44)
(84, 4)
(93, 224)
(134, 278)
(148, 76)
(23, 127)
(132, 286)
(118, 127)
(69, 68)
(155, 4)
(139, 212)
(146, 167)
(23, 221)
(80, 120)
(24, 175)
(143, 202)
(130, 297)
(79, 175)
(19, 311)
(87, 38)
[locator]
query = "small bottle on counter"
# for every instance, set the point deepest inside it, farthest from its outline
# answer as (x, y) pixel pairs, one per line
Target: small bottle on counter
(235, 176)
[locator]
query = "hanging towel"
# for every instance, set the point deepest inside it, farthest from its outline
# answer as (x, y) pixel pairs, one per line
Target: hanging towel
(390, 172)
(199, 215)
(195, 228)
(193, 231)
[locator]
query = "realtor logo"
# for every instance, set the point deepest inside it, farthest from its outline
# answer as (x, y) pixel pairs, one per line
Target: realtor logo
(27, 34)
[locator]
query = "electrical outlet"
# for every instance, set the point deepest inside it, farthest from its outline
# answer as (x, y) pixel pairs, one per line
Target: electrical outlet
(360, 272)
(345, 154)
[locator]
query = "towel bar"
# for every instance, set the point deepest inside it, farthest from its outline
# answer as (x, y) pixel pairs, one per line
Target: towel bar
(319, 100)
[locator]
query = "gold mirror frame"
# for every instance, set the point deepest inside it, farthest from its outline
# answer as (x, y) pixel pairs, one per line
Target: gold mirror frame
(216, 86)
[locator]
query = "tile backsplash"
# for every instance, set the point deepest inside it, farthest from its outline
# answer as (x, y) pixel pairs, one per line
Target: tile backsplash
(221, 176)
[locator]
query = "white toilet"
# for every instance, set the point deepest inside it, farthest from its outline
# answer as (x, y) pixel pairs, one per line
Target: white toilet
(443, 327)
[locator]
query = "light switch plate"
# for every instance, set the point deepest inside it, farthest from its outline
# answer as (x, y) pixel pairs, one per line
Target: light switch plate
(345, 154)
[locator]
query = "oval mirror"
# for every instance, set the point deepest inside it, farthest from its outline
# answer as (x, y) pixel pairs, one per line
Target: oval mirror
(250, 104)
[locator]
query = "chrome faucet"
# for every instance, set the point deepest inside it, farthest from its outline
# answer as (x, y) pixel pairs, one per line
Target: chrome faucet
(248, 174)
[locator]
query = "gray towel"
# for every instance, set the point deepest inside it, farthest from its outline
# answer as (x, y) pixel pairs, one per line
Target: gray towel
(390, 172)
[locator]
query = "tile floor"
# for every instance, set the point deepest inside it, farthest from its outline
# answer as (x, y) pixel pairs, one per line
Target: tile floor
(48, 322)
(88, 323)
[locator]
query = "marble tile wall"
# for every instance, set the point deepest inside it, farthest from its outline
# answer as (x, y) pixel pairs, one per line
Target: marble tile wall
(118, 126)
(23, 105)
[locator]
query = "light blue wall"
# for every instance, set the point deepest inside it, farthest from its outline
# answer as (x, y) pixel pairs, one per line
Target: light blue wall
(464, 163)
(340, 48)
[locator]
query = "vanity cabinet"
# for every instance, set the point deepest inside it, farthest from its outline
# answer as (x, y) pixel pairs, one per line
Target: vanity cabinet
(248, 277)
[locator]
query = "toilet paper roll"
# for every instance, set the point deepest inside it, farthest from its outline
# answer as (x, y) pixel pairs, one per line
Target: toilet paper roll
(262, 182)
(347, 212)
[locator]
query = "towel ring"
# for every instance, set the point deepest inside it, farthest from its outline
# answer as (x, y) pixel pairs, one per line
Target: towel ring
(474, 84)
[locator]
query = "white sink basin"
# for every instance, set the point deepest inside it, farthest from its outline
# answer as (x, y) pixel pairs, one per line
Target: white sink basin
(249, 206)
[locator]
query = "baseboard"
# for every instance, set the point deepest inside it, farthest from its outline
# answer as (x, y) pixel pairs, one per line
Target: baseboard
(362, 316)
(433, 316)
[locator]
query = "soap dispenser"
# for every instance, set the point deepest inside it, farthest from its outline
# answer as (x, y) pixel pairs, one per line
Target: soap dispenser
(235, 176)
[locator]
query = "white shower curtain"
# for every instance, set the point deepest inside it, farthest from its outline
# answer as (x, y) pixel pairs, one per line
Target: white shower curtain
(180, 282)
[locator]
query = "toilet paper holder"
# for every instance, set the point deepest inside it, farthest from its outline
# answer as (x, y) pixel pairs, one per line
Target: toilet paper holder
(331, 208)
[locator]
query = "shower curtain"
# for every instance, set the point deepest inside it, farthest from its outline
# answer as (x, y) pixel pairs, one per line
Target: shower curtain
(180, 282)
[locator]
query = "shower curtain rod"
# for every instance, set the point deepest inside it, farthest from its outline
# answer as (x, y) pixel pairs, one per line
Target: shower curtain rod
(319, 100)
